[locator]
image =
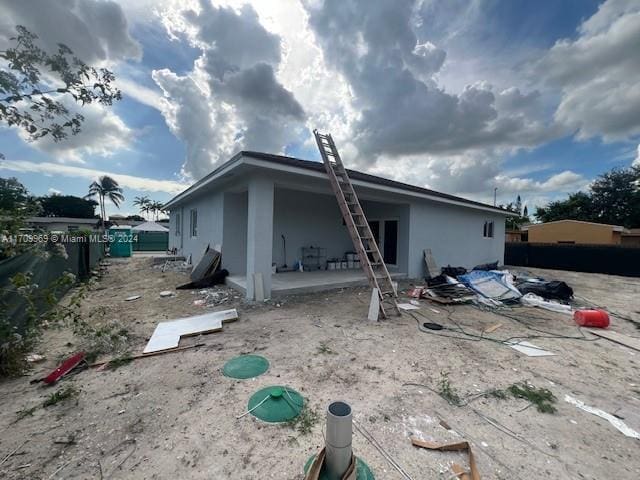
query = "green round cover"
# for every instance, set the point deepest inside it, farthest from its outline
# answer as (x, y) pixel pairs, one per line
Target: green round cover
(276, 404)
(363, 472)
(245, 366)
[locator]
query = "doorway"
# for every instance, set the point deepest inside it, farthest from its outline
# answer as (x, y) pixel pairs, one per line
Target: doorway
(385, 233)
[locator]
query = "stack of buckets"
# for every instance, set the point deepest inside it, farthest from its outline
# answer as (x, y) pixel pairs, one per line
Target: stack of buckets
(350, 262)
(591, 318)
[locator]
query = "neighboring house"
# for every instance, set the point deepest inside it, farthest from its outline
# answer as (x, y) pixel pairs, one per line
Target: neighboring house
(511, 236)
(631, 238)
(575, 231)
(261, 210)
(63, 224)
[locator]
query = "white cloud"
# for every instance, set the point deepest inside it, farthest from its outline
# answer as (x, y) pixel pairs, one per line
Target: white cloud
(54, 191)
(140, 93)
(232, 98)
(130, 181)
(599, 74)
(102, 133)
(636, 161)
(95, 30)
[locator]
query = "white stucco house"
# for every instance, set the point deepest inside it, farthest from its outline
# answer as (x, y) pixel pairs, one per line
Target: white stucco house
(263, 209)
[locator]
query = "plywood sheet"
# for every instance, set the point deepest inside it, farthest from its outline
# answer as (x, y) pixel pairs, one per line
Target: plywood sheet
(616, 337)
(167, 334)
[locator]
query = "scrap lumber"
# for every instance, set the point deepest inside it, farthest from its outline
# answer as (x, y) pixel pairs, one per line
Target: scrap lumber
(430, 264)
(616, 337)
(452, 447)
(492, 328)
(152, 354)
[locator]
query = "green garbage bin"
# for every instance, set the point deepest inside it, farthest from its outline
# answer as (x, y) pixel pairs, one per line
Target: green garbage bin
(120, 241)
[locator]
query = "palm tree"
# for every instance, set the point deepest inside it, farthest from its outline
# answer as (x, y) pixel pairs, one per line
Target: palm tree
(156, 207)
(143, 203)
(106, 187)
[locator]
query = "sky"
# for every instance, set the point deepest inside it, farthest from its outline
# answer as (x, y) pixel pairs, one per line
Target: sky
(533, 98)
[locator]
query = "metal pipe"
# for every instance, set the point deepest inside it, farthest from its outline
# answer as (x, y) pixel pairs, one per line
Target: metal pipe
(338, 442)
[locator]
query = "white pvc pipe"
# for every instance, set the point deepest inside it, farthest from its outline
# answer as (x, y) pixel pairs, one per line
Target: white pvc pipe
(338, 442)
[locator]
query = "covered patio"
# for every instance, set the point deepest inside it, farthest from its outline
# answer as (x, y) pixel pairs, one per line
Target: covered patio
(287, 283)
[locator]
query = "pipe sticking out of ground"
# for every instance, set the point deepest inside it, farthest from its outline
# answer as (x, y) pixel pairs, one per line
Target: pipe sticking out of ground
(338, 441)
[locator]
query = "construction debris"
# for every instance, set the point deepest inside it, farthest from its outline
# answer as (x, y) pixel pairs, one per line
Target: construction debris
(529, 349)
(473, 474)
(167, 334)
(533, 300)
(166, 293)
(131, 298)
(493, 284)
(616, 422)
(64, 368)
(616, 337)
(207, 265)
(408, 306)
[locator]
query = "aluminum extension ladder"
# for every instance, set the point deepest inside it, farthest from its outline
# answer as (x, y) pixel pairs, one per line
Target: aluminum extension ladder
(361, 235)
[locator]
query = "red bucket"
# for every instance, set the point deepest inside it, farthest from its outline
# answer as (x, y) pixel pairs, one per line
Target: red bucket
(591, 318)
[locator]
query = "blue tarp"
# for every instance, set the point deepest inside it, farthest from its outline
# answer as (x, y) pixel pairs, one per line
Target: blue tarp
(494, 284)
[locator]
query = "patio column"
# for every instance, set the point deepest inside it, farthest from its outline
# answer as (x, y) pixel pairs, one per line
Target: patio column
(259, 234)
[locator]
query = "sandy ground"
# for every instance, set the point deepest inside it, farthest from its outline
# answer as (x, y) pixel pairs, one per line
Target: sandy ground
(174, 415)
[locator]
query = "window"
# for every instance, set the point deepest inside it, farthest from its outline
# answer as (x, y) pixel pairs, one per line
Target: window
(194, 223)
(178, 219)
(487, 232)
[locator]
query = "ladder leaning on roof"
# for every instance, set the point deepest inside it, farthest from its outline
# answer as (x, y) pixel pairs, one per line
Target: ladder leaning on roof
(353, 215)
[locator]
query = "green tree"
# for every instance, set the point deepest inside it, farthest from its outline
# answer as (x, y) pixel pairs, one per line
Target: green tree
(514, 223)
(156, 208)
(614, 198)
(67, 206)
(106, 187)
(34, 85)
(143, 204)
(16, 204)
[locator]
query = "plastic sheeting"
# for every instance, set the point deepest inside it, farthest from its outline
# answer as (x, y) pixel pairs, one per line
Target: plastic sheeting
(493, 284)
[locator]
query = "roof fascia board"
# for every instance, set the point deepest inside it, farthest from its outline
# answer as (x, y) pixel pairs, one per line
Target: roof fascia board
(375, 186)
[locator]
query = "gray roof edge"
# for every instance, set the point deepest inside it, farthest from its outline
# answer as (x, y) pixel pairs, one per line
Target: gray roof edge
(353, 175)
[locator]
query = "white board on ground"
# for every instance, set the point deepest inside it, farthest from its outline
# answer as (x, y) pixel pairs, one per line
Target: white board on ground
(529, 349)
(616, 422)
(408, 306)
(374, 306)
(167, 334)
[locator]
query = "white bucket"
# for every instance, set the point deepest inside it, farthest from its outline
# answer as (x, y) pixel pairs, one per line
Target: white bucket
(351, 264)
(356, 264)
(331, 265)
(351, 257)
(344, 265)
(338, 265)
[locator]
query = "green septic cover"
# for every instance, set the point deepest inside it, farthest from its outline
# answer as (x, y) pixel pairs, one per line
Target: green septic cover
(245, 366)
(363, 472)
(276, 404)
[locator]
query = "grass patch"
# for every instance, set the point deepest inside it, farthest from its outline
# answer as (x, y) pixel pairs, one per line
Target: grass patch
(498, 394)
(446, 390)
(25, 412)
(324, 349)
(304, 422)
(542, 398)
(61, 395)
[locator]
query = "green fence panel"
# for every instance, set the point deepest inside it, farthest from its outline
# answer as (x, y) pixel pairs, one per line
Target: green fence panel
(151, 241)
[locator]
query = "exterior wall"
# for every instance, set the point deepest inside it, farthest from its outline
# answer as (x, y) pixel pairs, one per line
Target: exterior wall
(307, 219)
(210, 215)
(577, 232)
(234, 233)
(454, 235)
(632, 240)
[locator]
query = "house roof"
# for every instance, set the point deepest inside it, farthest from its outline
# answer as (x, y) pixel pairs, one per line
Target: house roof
(615, 228)
(319, 167)
(150, 227)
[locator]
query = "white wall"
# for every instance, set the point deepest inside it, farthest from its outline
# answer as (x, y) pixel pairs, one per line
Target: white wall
(307, 219)
(454, 235)
(210, 215)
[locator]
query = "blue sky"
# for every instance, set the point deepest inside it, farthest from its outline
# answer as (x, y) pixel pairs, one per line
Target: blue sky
(534, 98)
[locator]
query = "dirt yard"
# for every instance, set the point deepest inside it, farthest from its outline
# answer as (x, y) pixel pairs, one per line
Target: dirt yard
(173, 416)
